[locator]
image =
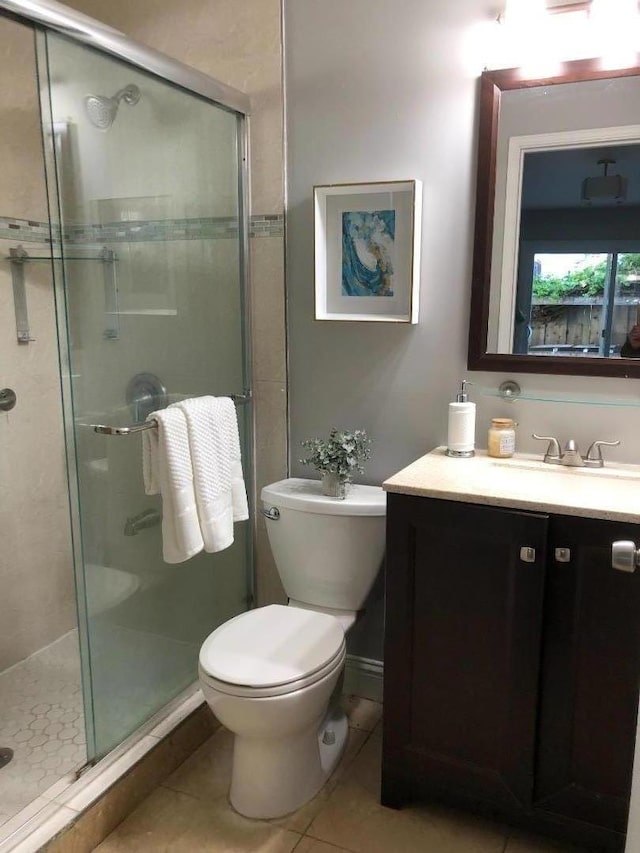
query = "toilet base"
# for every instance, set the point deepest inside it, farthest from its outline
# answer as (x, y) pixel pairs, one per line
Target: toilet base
(274, 777)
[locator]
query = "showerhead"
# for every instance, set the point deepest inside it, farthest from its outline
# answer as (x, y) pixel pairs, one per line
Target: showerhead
(102, 111)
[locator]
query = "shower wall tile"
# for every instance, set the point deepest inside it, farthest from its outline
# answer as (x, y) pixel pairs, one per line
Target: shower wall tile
(271, 465)
(269, 589)
(36, 568)
(237, 43)
(23, 192)
(268, 310)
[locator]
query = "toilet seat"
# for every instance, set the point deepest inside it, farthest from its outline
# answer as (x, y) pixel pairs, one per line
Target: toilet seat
(243, 691)
(272, 651)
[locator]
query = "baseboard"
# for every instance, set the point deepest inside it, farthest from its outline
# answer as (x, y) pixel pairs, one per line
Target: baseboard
(363, 677)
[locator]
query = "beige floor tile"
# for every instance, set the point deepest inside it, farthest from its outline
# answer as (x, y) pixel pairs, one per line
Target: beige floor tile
(521, 843)
(172, 822)
(300, 819)
(353, 817)
(312, 845)
(362, 713)
(207, 773)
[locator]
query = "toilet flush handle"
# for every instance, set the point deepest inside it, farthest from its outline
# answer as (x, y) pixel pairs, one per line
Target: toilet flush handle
(272, 513)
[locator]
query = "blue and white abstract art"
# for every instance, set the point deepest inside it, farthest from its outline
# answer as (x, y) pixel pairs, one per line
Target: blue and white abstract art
(368, 242)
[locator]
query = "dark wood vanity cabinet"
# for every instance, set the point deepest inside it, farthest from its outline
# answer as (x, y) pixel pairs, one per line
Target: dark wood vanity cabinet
(512, 666)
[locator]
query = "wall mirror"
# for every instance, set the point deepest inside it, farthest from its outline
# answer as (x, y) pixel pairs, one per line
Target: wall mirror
(556, 271)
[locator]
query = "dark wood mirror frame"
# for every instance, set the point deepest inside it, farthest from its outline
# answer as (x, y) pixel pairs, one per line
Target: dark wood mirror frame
(492, 84)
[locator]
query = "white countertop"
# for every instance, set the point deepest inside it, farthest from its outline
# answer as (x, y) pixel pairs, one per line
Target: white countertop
(524, 482)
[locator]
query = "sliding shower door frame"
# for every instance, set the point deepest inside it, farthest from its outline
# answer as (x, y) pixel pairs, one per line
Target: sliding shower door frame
(93, 33)
(47, 15)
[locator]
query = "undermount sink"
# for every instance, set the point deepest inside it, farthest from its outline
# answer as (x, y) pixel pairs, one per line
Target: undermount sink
(614, 471)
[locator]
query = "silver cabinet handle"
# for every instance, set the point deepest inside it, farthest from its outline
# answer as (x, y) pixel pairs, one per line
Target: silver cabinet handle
(527, 555)
(625, 556)
(272, 513)
(563, 555)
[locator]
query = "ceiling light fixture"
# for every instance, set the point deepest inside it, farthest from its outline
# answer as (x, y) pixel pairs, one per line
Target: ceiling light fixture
(537, 35)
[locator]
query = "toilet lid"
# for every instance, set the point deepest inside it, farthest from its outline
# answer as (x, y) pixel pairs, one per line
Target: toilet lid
(271, 645)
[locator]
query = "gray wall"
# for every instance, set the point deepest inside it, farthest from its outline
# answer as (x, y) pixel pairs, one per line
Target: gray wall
(379, 90)
(371, 96)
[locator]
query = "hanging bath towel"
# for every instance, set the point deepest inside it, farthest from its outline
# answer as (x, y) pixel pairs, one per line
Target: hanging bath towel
(168, 471)
(221, 495)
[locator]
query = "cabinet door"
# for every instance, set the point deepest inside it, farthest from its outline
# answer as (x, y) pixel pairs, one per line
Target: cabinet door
(463, 628)
(591, 672)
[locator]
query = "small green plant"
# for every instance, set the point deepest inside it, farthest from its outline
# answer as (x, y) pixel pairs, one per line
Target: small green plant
(342, 453)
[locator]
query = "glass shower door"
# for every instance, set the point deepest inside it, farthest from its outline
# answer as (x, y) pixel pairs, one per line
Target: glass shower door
(151, 240)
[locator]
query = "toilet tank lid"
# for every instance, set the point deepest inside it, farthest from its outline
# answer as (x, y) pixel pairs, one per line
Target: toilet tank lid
(271, 646)
(306, 496)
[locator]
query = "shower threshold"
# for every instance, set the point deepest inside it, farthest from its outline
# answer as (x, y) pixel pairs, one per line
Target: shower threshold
(41, 723)
(61, 805)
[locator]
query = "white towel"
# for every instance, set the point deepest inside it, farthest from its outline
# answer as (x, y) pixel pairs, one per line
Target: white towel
(221, 496)
(167, 470)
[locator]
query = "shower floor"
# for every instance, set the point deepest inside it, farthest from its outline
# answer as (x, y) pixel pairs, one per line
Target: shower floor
(42, 721)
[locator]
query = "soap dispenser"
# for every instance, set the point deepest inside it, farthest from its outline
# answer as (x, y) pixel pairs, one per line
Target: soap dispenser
(461, 433)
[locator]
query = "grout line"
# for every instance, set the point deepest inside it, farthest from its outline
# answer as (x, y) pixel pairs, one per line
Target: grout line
(191, 796)
(330, 789)
(298, 842)
(330, 844)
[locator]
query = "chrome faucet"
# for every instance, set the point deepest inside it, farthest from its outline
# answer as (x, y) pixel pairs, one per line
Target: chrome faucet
(571, 456)
(147, 518)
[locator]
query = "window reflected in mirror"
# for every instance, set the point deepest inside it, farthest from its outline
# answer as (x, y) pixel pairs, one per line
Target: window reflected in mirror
(579, 304)
(578, 264)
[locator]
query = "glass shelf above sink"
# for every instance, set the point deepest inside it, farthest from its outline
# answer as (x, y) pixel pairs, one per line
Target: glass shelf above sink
(559, 397)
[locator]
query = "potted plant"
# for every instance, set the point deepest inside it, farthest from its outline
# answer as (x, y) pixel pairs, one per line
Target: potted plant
(337, 458)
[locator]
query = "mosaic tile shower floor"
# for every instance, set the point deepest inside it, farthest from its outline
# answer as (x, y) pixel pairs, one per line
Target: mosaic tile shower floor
(42, 721)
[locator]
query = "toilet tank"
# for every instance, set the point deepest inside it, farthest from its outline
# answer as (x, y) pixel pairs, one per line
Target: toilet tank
(327, 551)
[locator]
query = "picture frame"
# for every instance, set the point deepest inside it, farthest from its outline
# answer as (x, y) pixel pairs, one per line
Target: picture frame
(367, 251)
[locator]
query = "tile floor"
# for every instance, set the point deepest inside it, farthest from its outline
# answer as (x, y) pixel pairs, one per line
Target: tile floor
(189, 812)
(42, 721)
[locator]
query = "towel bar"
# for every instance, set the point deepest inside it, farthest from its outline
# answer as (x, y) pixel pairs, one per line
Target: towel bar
(103, 429)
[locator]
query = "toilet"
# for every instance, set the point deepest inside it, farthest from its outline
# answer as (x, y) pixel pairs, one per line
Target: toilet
(273, 675)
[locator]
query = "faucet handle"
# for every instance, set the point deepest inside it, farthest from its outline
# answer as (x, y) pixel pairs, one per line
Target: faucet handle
(594, 459)
(553, 450)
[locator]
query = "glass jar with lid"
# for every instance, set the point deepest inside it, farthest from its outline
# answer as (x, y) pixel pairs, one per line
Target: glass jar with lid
(501, 441)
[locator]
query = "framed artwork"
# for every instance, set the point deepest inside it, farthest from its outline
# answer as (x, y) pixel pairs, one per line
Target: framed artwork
(367, 251)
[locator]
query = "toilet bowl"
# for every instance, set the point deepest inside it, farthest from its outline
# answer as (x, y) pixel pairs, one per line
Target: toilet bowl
(275, 695)
(273, 675)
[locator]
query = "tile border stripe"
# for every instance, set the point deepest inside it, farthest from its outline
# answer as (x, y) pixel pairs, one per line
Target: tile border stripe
(138, 231)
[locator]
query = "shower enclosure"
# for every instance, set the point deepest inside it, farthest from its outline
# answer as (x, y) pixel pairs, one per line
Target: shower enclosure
(122, 289)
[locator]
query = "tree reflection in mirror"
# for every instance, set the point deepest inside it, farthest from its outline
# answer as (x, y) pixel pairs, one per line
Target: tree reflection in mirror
(577, 304)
